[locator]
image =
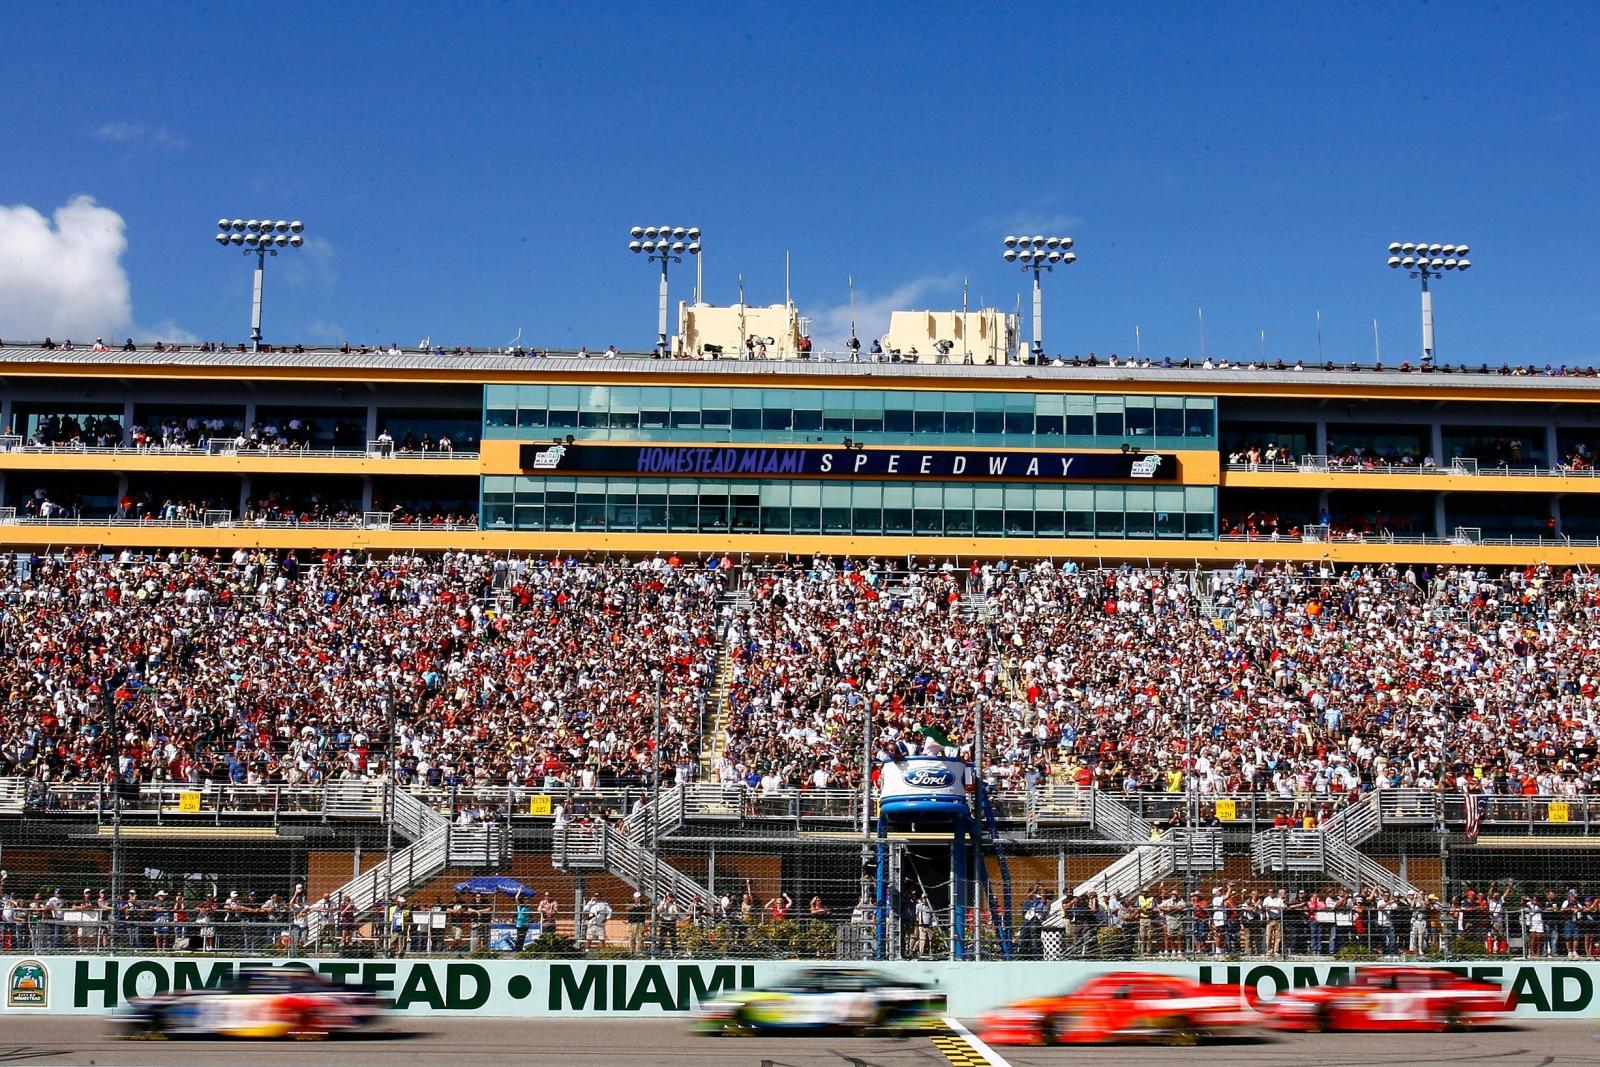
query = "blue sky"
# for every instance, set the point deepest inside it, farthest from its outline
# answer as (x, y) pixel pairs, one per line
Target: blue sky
(470, 170)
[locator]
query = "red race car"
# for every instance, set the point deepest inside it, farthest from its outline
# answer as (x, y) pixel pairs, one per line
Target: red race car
(1129, 1006)
(1392, 998)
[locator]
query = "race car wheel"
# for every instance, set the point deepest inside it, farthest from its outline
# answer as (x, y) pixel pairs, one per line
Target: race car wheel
(1054, 1029)
(308, 1025)
(1453, 1021)
(1176, 1032)
(1322, 1022)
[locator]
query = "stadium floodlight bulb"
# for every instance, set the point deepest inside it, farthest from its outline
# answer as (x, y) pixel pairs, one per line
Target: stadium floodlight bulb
(252, 225)
(280, 239)
(694, 248)
(1449, 250)
(635, 246)
(1010, 254)
(1408, 262)
(1069, 257)
(1463, 264)
(223, 224)
(1052, 242)
(636, 232)
(1394, 261)
(1053, 256)
(1394, 248)
(679, 233)
(236, 238)
(222, 238)
(650, 231)
(694, 233)
(295, 240)
(1434, 250)
(678, 247)
(1451, 263)
(1461, 250)
(1011, 242)
(282, 225)
(296, 226)
(1409, 247)
(649, 246)
(1038, 241)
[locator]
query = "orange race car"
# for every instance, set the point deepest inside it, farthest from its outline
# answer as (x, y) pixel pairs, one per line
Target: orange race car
(1128, 1006)
(1392, 998)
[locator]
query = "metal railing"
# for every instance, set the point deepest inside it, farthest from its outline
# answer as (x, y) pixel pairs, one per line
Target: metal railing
(231, 446)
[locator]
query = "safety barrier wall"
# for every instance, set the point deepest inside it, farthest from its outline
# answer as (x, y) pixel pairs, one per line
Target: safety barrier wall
(68, 985)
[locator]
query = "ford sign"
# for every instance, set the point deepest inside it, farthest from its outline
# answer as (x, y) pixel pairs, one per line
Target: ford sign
(929, 778)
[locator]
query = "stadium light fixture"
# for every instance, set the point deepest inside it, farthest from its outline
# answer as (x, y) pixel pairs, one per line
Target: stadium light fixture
(1427, 261)
(1036, 254)
(260, 238)
(668, 244)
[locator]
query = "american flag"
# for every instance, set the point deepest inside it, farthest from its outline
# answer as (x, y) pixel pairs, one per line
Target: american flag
(1472, 815)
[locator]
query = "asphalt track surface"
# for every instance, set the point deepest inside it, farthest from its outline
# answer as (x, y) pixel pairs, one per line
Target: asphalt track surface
(639, 1043)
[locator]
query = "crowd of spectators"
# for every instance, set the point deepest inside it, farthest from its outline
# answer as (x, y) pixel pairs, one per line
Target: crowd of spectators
(1266, 920)
(255, 669)
(1299, 681)
(1295, 680)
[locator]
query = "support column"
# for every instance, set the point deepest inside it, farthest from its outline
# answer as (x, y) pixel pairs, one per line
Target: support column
(127, 419)
(249, 414)
(1555, 513)
(1320, 445)
(1552, 447)
(244, 493)
(1324, 505)
(1440, 519)
(1437, 445)
(5, 416)
(372, 422)
(122, 489)
(366, 492)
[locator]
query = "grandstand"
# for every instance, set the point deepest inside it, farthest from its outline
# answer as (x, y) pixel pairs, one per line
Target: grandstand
(334, 628)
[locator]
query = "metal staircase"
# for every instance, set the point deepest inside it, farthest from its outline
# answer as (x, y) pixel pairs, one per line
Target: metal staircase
(1173, 850)
(737, 602)
(435, 845)
(1332, 848)
(624, 852)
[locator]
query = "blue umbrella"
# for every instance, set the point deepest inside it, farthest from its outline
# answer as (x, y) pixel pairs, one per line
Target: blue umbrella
(494, 884)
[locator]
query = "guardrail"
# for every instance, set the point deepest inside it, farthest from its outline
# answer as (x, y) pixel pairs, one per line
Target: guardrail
(1456, 468)
(1049, 805)
(358, 523)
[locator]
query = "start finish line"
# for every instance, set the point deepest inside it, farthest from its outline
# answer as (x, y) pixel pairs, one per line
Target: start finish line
(93, 985)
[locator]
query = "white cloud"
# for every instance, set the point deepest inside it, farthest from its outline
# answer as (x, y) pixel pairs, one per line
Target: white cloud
(62, 276)
(830, 326)
(135, 134)
(1036, 220)
(323, 330)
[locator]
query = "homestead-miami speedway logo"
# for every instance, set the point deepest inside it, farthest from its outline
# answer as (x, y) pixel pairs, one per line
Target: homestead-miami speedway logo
(28, 985)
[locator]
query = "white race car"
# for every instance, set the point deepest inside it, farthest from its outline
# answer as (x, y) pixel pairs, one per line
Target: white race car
(834, 999)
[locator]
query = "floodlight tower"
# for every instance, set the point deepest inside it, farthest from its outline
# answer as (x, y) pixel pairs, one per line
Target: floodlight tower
(1427, 261)
(263, 238)
(667, 244)
(1039, 254)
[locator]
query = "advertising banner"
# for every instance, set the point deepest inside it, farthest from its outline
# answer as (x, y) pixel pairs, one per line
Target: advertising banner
(513, 988)
(801, 462)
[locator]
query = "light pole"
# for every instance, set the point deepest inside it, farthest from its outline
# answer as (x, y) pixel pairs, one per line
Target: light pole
(262, 238)
(667, 244)
(1427, 261)
(1038, 254)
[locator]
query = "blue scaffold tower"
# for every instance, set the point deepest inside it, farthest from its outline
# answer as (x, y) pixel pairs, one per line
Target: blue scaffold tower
(931, 793)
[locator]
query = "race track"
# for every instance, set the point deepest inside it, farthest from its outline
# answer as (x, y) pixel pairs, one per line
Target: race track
(69, 1041)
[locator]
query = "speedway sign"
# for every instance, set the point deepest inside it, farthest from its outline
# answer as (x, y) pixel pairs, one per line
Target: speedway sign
(513, 988)
(813, 462)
